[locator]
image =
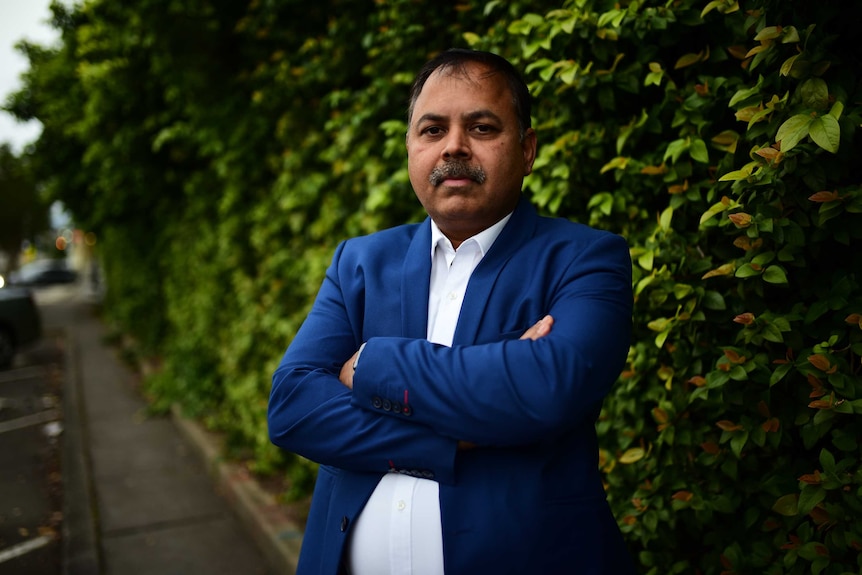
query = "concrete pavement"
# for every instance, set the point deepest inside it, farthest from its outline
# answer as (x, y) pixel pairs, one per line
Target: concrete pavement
(149, 495)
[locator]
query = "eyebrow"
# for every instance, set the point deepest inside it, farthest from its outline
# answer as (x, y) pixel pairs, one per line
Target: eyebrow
(472, 116)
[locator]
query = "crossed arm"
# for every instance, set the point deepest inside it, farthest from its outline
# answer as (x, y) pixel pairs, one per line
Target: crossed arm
(540, 329)
(501, 393)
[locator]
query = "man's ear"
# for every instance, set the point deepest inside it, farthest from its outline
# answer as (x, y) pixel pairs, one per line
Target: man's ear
(528, 145)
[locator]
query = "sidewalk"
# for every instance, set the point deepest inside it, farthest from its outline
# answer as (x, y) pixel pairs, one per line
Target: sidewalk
(150, 495)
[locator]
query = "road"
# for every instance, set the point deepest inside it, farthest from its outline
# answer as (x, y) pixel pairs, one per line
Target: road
(30, 479)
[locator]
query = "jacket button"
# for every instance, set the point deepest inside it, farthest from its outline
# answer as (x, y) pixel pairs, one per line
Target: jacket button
(344, 523)
(407, 410)
(387, 405)
(376, 402)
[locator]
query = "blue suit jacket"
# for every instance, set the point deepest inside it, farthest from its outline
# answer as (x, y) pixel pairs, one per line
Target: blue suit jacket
(529, 499)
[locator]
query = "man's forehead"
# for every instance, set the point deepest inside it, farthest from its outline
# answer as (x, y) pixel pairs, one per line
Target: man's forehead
(440, 95)
(473, 72)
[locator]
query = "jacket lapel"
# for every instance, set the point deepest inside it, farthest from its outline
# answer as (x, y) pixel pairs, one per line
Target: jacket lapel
(415, 281)
(517, 232)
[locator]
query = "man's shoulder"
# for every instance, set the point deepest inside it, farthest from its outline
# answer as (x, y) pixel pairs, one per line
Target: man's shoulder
(384, 243)
(394, 234)
(568, 230)
(544, 228)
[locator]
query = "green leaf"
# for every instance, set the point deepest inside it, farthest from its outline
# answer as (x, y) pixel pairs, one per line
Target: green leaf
(604, 201)
(845, 441)
(763, 259)
(827, 460)
(745, 94)
(471, 38)
(738, 441)
(519, 27)
(787, 66)
(826, 133)
(741, 174)
(792, 131)
(811, 495)
(714, 300)
(734, 176)
(779, 373)
(698, 151)
(646, 259)
(775, 275)
(787, 505)
(716, 208)
(612, 17)
(814, 93)
(746, 271)
(653, 79)
(813, 551)
(674, 149)
(711, 6)
(568, 72)
(681, 290)
(738, 373)
(771, 333)
(665, 219)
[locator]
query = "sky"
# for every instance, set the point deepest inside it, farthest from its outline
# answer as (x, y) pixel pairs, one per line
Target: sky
(20, 19)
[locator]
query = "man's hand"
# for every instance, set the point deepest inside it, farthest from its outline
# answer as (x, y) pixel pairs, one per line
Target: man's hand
(540, 329)
(346, 375)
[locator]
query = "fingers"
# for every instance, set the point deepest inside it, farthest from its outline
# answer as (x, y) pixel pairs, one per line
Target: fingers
(346, 375)
(540, 329)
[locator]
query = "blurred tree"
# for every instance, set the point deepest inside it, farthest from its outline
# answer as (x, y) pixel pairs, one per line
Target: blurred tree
(24, 213)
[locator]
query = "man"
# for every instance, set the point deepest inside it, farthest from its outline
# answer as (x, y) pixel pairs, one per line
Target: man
(449, 374)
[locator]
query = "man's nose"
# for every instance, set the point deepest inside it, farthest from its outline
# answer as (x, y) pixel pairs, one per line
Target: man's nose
(457, 145)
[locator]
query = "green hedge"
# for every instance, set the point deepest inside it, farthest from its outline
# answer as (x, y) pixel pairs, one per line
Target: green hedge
(221, 150)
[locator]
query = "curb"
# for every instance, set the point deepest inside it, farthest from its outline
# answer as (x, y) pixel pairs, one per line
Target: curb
(80, 537)
(276, 535)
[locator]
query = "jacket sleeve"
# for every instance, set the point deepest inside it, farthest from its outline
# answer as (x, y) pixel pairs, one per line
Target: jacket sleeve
(310, 411)
(514, 392)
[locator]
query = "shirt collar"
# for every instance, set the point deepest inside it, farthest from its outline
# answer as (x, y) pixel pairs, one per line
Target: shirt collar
(484, 239)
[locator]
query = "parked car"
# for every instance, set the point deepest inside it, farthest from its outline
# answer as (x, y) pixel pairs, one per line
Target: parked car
(43, 273)
(20, 322)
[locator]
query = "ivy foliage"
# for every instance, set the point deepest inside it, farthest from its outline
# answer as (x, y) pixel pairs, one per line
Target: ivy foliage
(222, 149)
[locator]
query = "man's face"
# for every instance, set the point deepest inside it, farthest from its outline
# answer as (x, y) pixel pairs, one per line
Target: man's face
(465, 156)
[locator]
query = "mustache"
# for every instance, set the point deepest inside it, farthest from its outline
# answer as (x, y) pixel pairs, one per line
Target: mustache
(456, 169)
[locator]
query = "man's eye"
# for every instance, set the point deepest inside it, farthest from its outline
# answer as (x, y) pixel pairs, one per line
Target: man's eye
(483, 128)
(432, 131)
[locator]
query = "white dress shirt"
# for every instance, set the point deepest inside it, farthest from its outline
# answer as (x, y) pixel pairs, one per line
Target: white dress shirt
(399, 530)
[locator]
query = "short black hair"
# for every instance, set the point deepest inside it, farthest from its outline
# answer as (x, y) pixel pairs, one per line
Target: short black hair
(457, 59)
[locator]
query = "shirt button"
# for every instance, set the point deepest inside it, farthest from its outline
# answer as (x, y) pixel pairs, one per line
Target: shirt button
(453, 296)
(401, 506)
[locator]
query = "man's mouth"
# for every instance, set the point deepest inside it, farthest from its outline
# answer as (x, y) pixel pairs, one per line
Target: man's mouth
(455, 171)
